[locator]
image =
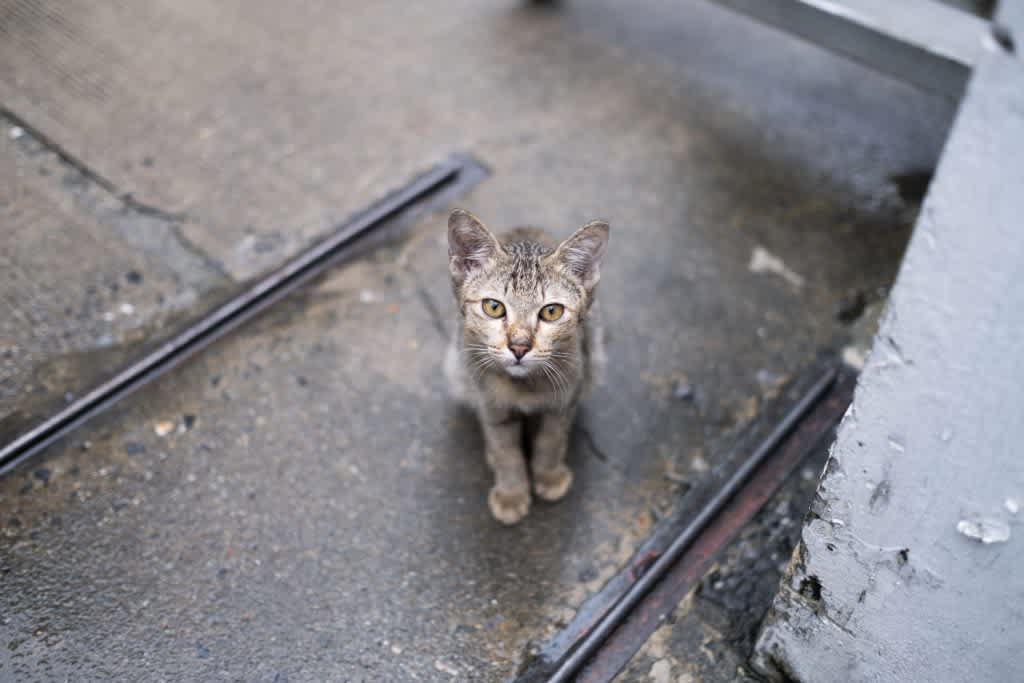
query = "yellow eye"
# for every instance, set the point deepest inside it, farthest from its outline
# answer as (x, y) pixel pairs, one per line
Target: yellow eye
(494, 308)
(552, 312)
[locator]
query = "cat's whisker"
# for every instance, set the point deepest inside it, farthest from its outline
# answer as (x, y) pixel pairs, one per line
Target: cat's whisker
(551, 378)
(478, 359)
(476, 349)
(558, 379)
(566, 365)
(482, 362)
(547, 373)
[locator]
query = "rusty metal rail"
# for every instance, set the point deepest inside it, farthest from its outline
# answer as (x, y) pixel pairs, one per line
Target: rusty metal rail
(814, 429)
(615, 623)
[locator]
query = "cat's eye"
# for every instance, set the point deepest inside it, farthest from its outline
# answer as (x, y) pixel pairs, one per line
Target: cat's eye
(552, 312)
(493, 308)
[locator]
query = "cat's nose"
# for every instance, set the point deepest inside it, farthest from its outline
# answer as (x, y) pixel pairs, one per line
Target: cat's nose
(519, 349)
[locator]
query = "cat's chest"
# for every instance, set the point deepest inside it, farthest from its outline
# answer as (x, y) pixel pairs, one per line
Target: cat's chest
(524, 397)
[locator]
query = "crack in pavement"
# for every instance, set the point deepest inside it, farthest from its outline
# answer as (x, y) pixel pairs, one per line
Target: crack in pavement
(428, 303)
(149, 210)
(126, 199)
(192, 248)
(591, 443)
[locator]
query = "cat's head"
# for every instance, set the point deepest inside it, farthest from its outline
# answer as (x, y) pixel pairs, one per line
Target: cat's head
(522, 303)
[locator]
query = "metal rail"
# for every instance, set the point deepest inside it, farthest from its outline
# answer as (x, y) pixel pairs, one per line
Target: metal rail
(622, 608)
(455, 173)
(649, 615)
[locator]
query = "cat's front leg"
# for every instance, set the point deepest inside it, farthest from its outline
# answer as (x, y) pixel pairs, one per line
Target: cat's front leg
(509, 499)
(551, 476)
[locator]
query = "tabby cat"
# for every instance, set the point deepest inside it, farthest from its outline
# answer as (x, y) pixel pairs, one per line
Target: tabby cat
(527, 347)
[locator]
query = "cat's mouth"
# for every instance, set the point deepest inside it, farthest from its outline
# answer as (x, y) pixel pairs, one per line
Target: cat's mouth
(517, 366)
(517, 369)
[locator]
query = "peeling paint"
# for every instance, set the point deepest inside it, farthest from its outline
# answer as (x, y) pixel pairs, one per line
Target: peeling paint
(986, 530)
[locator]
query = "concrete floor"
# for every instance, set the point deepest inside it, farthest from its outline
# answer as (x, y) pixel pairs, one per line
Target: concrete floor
(317, 511)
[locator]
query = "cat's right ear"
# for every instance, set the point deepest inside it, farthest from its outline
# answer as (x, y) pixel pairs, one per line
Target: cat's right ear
(470, 244)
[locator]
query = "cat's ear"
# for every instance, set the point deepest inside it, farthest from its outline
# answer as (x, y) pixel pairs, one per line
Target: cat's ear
(470, 244)
(581, 254)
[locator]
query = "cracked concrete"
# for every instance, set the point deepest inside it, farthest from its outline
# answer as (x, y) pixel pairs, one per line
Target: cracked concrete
(302, 502)
(87, 278)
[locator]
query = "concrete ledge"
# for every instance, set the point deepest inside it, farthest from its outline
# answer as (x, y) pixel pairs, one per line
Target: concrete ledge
(923, 42)
(909, 567)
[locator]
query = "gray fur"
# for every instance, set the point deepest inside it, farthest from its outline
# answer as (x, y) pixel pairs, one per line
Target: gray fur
(525, 270)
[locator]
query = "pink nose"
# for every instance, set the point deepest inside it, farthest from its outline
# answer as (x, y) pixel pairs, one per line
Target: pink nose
(519, 350)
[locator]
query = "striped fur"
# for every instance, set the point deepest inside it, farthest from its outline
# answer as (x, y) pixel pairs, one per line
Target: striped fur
(525, 270)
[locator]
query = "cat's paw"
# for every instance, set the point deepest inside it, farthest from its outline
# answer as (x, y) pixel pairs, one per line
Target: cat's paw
(509, 505)
(553, 484)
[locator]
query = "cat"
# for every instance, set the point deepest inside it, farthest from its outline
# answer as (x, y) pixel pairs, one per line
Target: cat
(527, 346)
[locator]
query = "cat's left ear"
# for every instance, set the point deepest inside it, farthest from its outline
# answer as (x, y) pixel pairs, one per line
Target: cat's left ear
(581, 254)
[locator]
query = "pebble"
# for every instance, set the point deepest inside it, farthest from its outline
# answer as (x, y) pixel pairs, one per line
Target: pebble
(661, 671)
(163, 428)
(134, 448)
(15, 132)
(682, 390)
(763, 261)
(854, 357)
(445, 668)
(766, 379)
